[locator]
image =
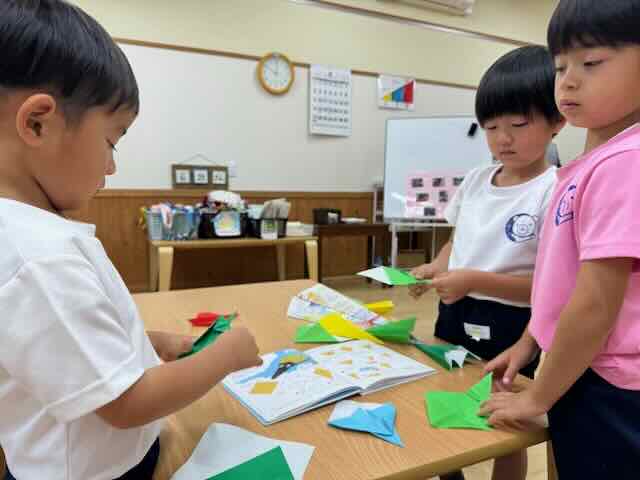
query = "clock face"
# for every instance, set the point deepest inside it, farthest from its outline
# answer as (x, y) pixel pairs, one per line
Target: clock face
(276, 73)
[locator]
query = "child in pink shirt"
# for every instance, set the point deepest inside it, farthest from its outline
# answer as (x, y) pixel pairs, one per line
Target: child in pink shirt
(586, 287)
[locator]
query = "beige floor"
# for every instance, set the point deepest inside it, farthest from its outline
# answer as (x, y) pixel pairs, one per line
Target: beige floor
(425, 311)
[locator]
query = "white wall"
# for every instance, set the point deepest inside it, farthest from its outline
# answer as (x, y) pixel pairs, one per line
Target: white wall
(195, 103)
(310, 34)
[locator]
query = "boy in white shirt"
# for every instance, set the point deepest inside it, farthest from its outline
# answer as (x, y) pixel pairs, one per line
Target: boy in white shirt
(82, 389)
(483, 275)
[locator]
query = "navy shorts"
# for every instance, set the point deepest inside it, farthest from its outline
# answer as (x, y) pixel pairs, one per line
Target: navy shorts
(506, 323)
(143, 471)
(595, 430)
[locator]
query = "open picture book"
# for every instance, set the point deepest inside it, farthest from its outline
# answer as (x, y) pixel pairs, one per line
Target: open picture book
(291, 382)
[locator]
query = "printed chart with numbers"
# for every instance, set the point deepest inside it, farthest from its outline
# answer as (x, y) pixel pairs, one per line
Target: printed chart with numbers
(329, 101)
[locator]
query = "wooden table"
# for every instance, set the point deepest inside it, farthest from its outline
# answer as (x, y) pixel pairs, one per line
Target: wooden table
(161, 255)
(378, 231)
(339, 454)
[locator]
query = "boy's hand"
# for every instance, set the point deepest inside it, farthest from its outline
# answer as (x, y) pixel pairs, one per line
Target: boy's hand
(506, 366)
(170, 346)
(423, 272)
(512, 409)
(241, 347)
(453, 285)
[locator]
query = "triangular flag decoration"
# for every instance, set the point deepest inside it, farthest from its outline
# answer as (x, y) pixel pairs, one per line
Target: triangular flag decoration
(271, 465)
(392, 276)
(459, 409)
(338, 326)
(314, 333)
(221, 325)
(398, 332)
(381, 308)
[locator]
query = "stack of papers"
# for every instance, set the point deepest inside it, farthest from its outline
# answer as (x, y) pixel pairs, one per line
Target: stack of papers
(459, 409)
(226, 452)
(392, 276)
(374, 418)
(318, 301)
(291, 382)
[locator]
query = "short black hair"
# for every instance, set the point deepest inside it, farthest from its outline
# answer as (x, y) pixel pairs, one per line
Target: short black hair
(57, 47)
(594, 23)
(520, 82)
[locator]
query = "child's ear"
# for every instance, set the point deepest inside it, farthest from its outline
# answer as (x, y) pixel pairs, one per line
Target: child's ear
(36, 119)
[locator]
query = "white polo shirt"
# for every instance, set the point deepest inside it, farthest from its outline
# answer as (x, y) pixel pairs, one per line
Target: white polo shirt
(71, 341)
(498, 228)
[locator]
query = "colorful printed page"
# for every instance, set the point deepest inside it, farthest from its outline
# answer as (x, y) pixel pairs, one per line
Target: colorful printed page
(370, 366)
(318, 301)
(291, 382)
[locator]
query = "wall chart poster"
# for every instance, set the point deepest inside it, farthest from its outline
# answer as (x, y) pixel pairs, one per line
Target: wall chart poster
(397, 93)
(329, 101)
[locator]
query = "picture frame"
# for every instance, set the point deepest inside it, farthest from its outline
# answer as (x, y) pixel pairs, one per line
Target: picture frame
(200, 177)
(181, 176)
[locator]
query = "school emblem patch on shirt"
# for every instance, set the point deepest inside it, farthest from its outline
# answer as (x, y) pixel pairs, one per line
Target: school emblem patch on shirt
(521, 227)
(564, 213)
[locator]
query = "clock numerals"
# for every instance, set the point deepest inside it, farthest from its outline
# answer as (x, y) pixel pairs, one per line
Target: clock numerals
(276, 73)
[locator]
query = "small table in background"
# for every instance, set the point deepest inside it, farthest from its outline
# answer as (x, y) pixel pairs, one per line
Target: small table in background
(373, 231)
(161, 255)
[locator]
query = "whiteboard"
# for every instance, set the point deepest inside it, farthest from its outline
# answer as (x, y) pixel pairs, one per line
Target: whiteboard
(435, 145)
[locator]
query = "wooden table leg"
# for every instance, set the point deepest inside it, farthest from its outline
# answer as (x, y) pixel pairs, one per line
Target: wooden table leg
(281, 257)
(311, 250)
(320, 274)
(552, 473)
(153, 268)
(165, 268)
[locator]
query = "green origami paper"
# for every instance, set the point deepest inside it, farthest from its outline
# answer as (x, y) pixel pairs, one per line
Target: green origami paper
(402, 278)
(314, 333)
(212, 333)
(439, 353)
(459, 409)
(271, 465)
(398, 332)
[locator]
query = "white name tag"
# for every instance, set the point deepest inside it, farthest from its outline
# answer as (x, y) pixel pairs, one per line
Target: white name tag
(477, 332)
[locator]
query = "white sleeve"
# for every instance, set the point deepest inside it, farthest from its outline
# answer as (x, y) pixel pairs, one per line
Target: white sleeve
(453, 208)
(63, 340)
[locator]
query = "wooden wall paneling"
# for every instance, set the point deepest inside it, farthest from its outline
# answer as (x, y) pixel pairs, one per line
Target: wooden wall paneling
(115, 214)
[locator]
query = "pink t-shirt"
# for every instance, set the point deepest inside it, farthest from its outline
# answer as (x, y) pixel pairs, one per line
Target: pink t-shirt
(594, 213)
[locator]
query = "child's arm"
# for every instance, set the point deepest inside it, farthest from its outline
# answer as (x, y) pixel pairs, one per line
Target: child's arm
(170, 387)
(583, 329)
(170, 346)
(429, 270)
(455, 284)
